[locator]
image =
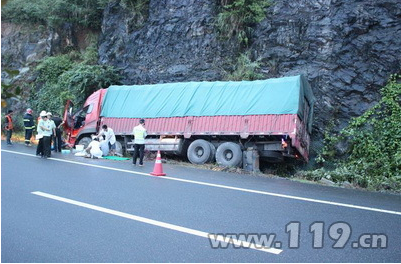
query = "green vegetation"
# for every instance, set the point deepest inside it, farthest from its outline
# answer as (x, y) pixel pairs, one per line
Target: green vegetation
(9, 90)
(245, 69)
(139, 10)
(237, 18)
(370, 156)
(73, 76)
(54, 13)
(85, 13)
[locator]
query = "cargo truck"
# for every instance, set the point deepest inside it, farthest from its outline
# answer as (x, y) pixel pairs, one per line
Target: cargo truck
(204, 121)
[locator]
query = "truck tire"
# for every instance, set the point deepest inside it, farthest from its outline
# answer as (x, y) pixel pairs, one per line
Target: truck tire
(229, 154)
(84, 141)
(199, 151)
(212, 156)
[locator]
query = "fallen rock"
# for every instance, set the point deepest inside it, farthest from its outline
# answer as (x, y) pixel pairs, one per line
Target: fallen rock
(327, 182)
(347, 184)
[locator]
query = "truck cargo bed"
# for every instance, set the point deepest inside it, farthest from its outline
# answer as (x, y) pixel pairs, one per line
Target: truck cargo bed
(243, 126)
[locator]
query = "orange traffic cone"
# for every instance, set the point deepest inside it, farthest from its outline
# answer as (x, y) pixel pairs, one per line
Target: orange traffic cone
(158, 169)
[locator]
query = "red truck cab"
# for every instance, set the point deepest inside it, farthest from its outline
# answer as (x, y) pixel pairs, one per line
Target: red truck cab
(86, 120)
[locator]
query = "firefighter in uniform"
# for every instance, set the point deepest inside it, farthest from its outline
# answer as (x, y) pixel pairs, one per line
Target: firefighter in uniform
(29, 126)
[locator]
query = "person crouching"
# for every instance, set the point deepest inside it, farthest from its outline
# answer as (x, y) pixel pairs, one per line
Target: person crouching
(93, 150)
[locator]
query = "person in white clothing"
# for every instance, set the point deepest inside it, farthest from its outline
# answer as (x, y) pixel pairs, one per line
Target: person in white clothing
(140, 134)
(104, 146)
(94, 148)
(110, 137)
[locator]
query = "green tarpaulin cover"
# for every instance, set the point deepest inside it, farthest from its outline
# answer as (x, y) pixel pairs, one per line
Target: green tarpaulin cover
(285, 95)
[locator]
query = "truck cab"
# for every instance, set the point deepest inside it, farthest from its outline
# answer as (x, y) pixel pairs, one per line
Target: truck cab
(80, 123)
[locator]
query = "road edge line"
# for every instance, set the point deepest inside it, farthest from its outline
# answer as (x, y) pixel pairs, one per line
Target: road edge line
(226, 187)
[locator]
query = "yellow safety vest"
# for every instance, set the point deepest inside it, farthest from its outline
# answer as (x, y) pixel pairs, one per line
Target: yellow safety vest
(139, 134)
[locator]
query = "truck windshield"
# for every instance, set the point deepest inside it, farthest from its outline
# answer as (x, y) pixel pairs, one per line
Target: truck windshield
(79, 117)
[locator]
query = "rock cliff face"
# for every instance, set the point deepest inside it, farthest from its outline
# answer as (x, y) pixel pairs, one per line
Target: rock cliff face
(177, 43)
(23, 45)
(346, 48)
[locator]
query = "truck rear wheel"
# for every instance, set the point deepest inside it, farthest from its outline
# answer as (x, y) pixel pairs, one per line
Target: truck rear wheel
(199, 151)
(212, 156)
(229, 154)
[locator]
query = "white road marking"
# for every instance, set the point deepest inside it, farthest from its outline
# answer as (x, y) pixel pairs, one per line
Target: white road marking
(159, 223)
(225, 186)
(83, 164)
(291, 197)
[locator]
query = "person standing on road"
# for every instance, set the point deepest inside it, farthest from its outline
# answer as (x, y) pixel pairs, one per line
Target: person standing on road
(57, 136)
(8, 126)
(110, 138)
(140, 134)
(29, 126)
(52, 126)
(39, 136)
(47, 127)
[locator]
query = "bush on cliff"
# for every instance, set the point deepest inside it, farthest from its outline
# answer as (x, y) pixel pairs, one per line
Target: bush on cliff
(370, 155)
(237, 17)
(85, 13)
(70, 77)
(244, 69)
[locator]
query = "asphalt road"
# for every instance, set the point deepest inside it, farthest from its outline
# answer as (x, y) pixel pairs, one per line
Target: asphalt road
(71, 209)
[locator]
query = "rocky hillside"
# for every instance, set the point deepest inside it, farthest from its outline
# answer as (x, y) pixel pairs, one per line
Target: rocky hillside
(347, 49)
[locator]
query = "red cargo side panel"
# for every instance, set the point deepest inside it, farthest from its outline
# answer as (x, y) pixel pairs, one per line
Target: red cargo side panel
(208, 125)
(243, 126)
